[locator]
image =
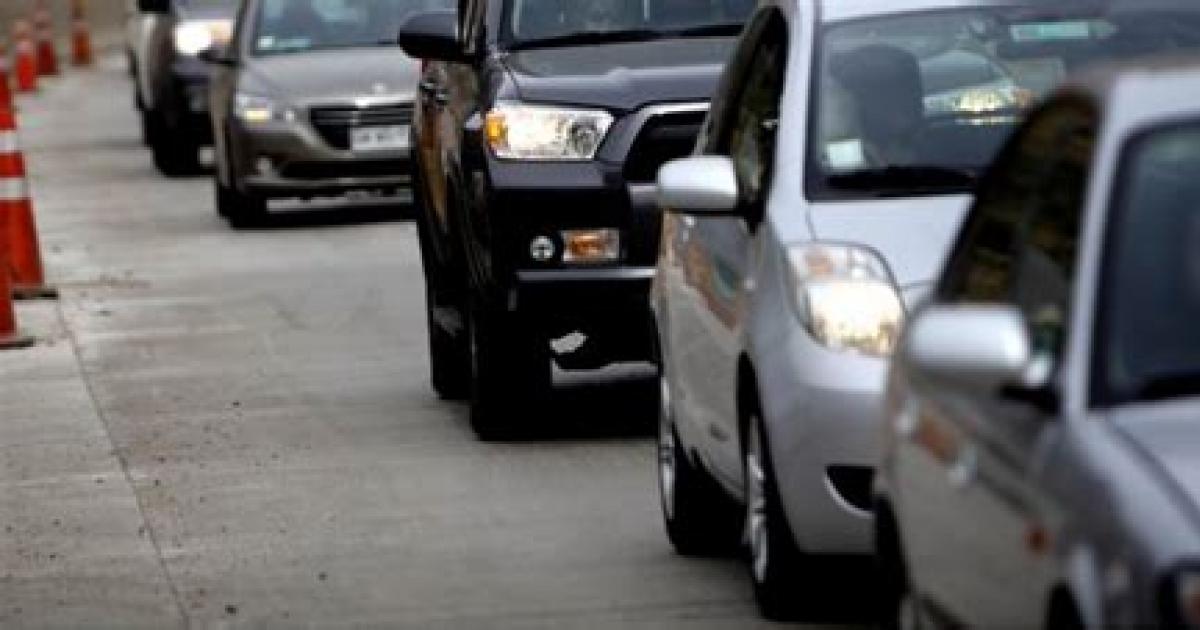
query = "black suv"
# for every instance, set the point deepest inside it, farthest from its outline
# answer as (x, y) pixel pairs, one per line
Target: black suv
(539, 131)
(172, 82)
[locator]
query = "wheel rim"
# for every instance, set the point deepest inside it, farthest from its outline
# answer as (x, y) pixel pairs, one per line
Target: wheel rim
(668, 465)
(756, 505)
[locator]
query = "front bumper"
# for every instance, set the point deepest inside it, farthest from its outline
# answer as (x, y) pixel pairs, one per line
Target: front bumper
(823, 411)
(292, 159)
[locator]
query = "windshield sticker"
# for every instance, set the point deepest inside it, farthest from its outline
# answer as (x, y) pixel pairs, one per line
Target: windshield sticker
(844, 155)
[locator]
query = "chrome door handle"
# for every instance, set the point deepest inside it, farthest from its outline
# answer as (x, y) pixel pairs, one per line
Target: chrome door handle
(962, 472)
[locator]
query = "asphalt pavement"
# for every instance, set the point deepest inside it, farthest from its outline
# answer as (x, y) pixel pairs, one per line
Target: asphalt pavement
(234, 428)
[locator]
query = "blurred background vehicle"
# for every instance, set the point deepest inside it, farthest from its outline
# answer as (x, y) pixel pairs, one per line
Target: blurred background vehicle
(538, 134)
(1040, 462)
(312, 98)
(172, 82)
(816, 213)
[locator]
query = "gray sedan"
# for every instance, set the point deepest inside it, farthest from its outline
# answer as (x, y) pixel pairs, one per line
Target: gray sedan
(312, 98)
(1042, 444)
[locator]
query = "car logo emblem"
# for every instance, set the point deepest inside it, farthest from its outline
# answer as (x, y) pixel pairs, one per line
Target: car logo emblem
(541, 249)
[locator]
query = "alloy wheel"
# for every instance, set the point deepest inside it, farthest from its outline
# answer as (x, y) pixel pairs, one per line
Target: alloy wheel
(668, 465)
(756, 530)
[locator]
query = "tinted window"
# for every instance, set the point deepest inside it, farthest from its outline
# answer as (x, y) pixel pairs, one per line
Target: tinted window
(755, 116)
(286, 26)
(1147, 345)
(529, 22)
(919, 103)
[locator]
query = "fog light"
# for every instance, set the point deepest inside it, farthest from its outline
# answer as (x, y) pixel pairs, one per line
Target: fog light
(591, 246)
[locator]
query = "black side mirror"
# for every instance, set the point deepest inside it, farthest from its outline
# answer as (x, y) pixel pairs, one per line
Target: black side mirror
(217, 55)
(154, 6)
(432, 36)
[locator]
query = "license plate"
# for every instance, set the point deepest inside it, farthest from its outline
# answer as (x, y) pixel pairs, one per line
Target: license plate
(379, 138)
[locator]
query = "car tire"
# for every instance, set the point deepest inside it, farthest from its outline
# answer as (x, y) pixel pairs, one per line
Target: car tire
(896, 607)
(700, 519)
(175, 152)
(145, 127)
(775, 561)
(510, 373)
(241, 210)
(449, 356)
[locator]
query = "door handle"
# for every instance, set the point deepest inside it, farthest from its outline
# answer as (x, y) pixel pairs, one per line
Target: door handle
(962, 471)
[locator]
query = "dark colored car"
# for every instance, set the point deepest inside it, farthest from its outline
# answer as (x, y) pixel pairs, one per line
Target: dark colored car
(540, 128)
(172, 82)
(291, 121)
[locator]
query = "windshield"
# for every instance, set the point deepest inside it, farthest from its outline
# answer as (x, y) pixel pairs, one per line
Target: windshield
(289, 26)
(1147, 346)
(532, 23)
(919, 103)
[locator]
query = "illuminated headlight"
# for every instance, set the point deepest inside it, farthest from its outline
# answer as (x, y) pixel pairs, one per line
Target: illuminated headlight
(255, 109)
(845, 297)
(535, 132)
(196, 36)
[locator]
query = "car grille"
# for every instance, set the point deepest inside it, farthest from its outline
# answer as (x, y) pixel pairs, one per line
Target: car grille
(663, 138)
(334, 123)
(318, 171)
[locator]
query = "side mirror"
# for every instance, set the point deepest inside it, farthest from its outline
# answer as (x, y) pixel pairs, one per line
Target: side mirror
(432, 36)
(704, 184)
(217, 55)
(154, 6)
(984, 348)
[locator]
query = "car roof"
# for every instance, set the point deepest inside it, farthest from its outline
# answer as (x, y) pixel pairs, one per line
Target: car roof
(839, 10)
(1142, 93)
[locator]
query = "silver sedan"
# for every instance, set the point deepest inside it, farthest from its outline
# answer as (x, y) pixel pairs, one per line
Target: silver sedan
(1042, 420)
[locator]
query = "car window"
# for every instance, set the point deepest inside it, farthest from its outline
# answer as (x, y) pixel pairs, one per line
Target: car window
(920, 102)
(1146, 345)
(530, 21)
(288, 26)
(1020, 242)
(754, 116)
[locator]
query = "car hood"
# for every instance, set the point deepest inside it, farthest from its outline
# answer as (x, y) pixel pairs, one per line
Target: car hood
(225, 11)
(913, 235)
(622, 76)
(1168, 434)
(336, 74)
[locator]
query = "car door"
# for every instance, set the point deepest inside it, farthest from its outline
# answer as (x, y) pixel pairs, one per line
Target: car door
(975, 518)
(715, 252)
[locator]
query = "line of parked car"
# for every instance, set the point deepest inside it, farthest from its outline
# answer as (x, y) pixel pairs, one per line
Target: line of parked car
(919, 281)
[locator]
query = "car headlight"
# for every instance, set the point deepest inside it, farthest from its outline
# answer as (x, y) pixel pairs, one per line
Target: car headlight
(845, 297)
(537, 132)
(196, 36)
(253, 108)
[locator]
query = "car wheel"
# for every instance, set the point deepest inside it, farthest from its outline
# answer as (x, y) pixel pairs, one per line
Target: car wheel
(175, 152)
(774, 559)
(509, 375)
(449, 356)
(897, 605)
(239, 209)
(700, 519)
(145, 127)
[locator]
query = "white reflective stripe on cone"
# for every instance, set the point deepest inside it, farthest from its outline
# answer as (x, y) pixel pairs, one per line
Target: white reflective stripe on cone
(9, 142)
(13, 189)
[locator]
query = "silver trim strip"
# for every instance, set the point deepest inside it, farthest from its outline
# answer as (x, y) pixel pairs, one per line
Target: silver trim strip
(586, 275)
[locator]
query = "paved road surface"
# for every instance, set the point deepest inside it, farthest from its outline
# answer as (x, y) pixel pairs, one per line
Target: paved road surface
(234, 428)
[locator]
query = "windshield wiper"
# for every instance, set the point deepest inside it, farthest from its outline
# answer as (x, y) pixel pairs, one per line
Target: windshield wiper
(705, 30)
(893, 180)
(1169, 386)
(583, 38)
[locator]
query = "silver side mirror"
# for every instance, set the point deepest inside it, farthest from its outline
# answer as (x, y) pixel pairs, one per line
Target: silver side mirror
(704, 184)
(980, 347)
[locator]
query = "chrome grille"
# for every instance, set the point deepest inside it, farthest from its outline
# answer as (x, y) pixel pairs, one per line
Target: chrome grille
(334, 123)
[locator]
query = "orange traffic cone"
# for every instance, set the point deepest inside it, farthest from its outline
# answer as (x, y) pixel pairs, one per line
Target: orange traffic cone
(47, 55)
(10, 335)
(81, 34)
(20, 238)
(6, 97)
(27, 70)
